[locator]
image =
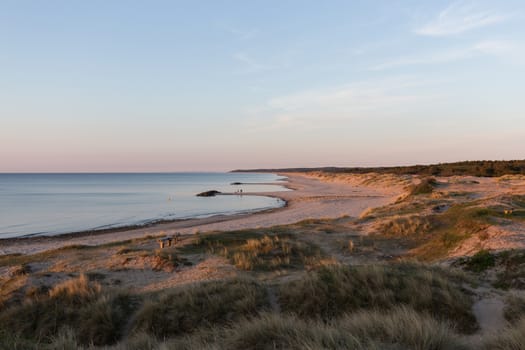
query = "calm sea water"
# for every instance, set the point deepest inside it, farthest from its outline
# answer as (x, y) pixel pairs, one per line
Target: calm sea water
(50, 204)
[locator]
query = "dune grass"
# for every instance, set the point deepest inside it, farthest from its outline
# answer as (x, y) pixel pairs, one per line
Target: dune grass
(407, 226)
(363, 330)
(511, 338)
(512, 269)
(79, 310)
(97, 317)
(260, 250)
(183, 310)
(452, 227)
(335, 290)
(514, 308)
(400, 328)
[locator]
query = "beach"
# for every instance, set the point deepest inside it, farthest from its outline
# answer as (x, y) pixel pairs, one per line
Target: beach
(416, 242)
(313, 197)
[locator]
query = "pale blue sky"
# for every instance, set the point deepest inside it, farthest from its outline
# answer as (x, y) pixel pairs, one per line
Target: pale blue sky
(216, 85)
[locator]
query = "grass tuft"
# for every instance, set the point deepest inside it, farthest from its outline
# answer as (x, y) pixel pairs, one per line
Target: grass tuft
(250, 250)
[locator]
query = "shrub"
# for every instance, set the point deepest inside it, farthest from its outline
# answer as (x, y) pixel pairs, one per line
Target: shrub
(426, 186)
(480, 261)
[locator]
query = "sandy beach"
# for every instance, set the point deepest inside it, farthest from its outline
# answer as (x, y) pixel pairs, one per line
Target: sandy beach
(313, 196)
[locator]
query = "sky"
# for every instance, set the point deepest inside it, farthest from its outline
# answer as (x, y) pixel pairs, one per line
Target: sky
(110, 86)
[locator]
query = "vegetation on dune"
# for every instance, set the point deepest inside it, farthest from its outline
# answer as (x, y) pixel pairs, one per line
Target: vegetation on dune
(426, 186)
(332, 291)
(252, 250)
(377, 306)
(400, 328)
(183, 310)
(508, 267)
(514, 308)
(512, 273)
(432, 236)
(487, 168)
(511, 338)
(291, 301)
(407, 226)
(96, 317)
(450, 228)
(480, 261)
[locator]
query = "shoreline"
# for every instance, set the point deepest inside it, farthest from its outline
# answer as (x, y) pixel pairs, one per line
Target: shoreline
(311, 197)
(192, 221)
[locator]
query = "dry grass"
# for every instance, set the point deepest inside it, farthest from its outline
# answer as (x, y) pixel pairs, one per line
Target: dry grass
(511, 338)
(75, 291)
(97, 317)
(406, 226)
(452, 227)
(401, 328)
(255, 250)
(511, 272)
(514, 308)
(332, 291)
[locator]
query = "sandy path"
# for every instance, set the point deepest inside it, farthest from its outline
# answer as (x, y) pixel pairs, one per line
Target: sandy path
(311, 198)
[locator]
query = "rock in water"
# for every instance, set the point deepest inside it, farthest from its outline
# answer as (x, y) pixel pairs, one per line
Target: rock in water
(211, 193)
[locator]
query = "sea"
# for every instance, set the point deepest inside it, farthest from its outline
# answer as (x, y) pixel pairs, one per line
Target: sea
(53, 204)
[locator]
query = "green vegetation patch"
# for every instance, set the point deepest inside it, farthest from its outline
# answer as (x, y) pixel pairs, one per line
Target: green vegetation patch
(333, 291)
(480, 261)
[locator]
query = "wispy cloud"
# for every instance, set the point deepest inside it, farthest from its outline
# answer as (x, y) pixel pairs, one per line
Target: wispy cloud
(243, 34)
(460, 17)
(312, 108)
(488, 47)
(250, 64)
